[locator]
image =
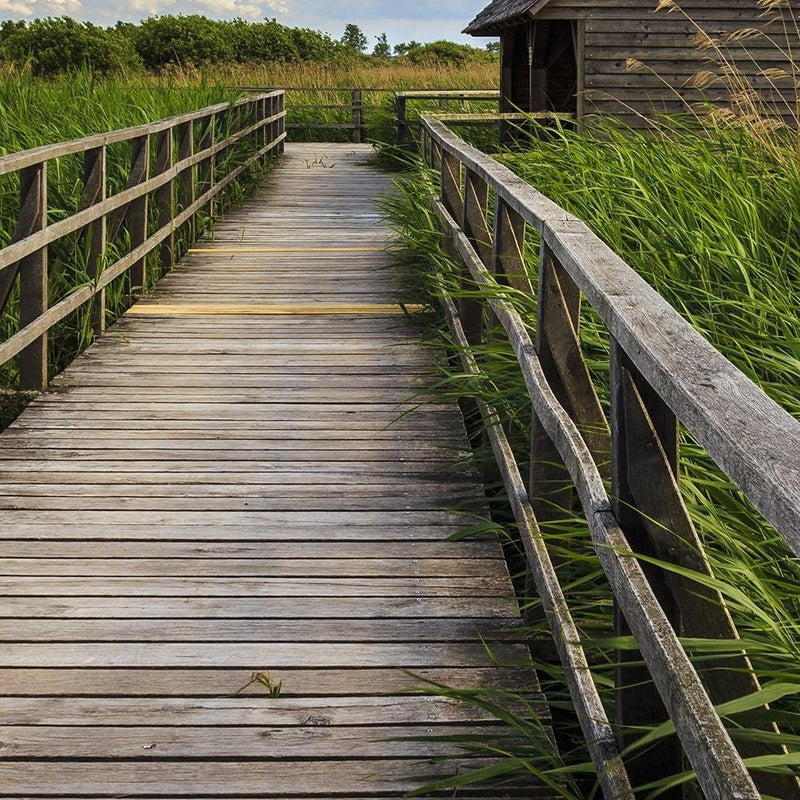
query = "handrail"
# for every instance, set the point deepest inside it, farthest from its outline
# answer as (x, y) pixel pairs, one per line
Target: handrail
(256, 123)
(357, 125)
(662, 371)
(402, 122)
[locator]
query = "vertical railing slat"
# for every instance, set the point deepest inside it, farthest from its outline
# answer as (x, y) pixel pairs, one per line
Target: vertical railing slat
(165, 197)
(94, 191)
(358, 116)
(137, 216)
(206, 168)
(33, 277)
(187, 179)
(637, 701)
(400, 120)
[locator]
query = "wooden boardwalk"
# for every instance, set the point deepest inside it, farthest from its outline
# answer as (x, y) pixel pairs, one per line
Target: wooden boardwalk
(221, 485)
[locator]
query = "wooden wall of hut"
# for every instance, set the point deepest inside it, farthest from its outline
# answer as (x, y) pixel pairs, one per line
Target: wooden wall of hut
(728, 52)
(634, 62)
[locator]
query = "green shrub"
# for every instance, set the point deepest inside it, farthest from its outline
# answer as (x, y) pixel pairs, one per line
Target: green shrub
(182, 40)
(61, 44)
(447, 53)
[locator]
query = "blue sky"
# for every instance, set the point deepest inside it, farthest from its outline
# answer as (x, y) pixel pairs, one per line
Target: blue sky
(423, 20)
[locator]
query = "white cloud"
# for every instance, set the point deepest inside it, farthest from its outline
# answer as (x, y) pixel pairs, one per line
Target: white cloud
(151, 7)
(230, 8)
(423, 20)
(278, 6)
(41, 8)
(15, 8)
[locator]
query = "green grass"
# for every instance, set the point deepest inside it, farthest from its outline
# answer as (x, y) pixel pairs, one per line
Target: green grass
(379, 79)
(38, 112)
(44, 111)
(711, 221)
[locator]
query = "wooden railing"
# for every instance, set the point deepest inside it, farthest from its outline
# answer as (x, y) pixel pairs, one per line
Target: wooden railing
(182, 180)
(362, 114)
(355, 107)
(401, 99)
(662, 373)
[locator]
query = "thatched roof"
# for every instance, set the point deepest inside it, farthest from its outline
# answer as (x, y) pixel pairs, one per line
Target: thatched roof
(500, 14)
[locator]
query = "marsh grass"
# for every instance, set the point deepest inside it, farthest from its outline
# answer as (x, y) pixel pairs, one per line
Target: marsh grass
(710, 220)
(38, 112)
(310, 85)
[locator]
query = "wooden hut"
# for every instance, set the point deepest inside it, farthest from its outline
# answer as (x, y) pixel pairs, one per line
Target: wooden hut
(631, 60)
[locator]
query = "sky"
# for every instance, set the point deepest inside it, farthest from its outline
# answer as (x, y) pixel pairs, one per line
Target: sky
(422, 20)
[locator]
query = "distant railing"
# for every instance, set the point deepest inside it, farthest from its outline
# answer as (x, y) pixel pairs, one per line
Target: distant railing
(362, 114)
(662, 373)
(401, 100)
(183, 179)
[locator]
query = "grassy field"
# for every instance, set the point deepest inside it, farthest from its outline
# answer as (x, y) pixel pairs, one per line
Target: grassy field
(381, 79)
(711, 222)
(40, 111)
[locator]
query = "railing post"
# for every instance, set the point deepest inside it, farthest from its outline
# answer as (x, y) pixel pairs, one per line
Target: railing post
(33, 277)
(653, 515)
(637, 702)
(400, 119)
(558, 303)
(94, 191)
(281, 122)
(508, 247)
(358, 113)
(425, 145)
(165, 197)
(263, 111)
(205, 170)
(186, 181)
(559, 349)
(136, 218)
(473, 222)
(451, 185)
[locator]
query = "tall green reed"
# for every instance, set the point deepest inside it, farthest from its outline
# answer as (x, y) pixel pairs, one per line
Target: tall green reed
(38, 112)
(710, 220)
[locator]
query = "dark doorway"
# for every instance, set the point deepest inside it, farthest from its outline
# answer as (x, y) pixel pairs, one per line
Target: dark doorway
(554, 67)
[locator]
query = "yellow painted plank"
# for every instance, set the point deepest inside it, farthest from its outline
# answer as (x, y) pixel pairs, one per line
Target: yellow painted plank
(287, 249)
(156, 309)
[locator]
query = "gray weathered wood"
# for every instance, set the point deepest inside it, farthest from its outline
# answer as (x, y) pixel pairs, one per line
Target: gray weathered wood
(95, 191)
(754, 441)
(33, 278)
(137, 216)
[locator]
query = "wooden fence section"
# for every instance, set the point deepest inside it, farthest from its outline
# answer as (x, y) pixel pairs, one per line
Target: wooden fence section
(363, 112)
(662, 373)
(402, 99)
(174, 174)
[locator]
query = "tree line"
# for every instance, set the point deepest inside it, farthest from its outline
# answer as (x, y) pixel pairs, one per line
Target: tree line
(60, 44)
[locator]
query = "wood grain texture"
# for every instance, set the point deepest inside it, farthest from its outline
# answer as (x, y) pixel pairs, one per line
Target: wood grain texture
(244, 475)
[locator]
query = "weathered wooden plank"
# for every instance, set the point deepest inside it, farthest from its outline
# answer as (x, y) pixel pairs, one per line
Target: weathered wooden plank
(282, 779)
(308, 586)
(94, 526)
(229, 681)
(263, 609)
(254, 567)
(286, 629)
(256, 656)
(263, 742)
(325, 519)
